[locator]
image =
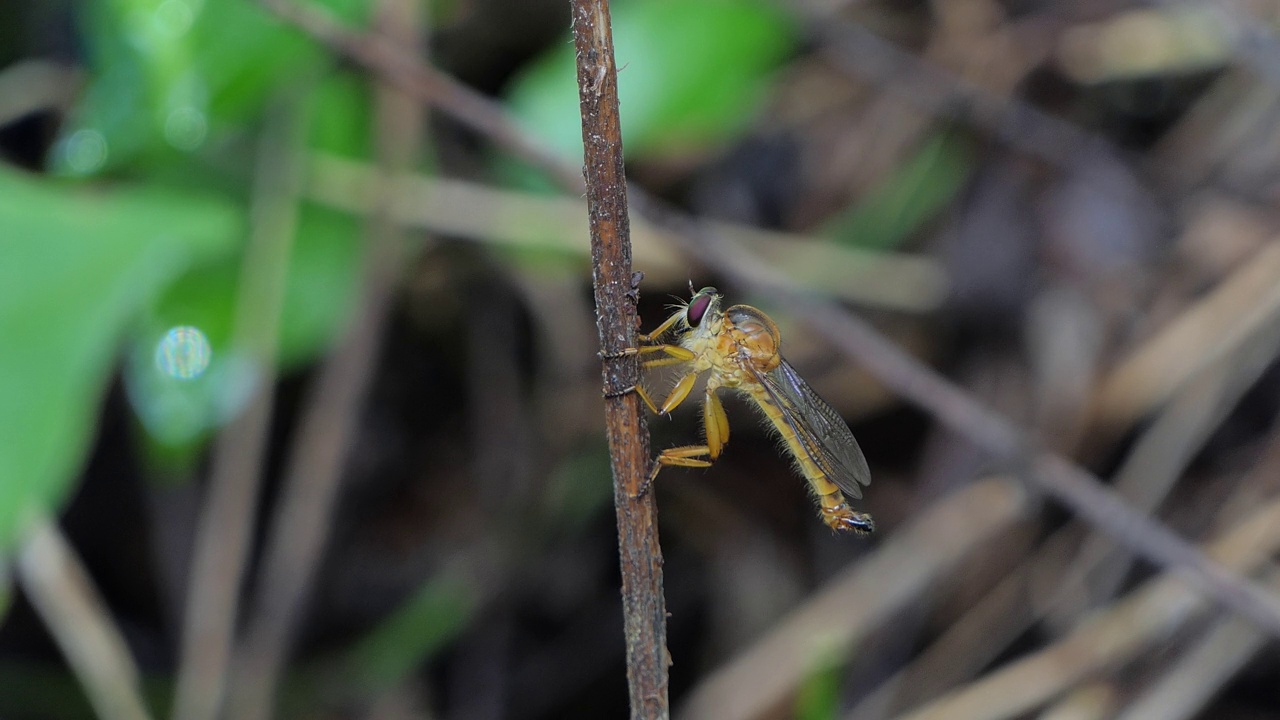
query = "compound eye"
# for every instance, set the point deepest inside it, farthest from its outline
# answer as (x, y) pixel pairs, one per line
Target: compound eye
(698, 306)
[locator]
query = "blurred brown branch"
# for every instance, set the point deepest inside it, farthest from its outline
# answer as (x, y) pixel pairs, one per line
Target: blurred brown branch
(403, 69)
(230, 506)
(890, 280)
(61, 590)
(301, 523)
(1108, 638)
(853, 605)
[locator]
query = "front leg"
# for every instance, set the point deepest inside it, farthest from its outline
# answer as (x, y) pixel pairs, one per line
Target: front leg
(675, 354)
(678, 393)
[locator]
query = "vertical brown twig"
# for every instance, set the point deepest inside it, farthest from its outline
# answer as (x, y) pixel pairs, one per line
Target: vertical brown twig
(227, 517)
(640, 555)
(301, 521)
(59, 587)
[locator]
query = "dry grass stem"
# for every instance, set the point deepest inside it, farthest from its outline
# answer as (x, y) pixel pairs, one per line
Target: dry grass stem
(1110, 637)
(833, 621)
(62, 592)
(1199, 672)
(227, 516)
(889, 280)
(1214, 327)
(302, 519)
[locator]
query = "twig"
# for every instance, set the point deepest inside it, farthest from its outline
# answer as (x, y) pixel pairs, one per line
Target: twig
(859, 51)
(853, 605)
(1241, 306)
(1070, 485)
(1109, 638)
(1199, 672)
(890, 280)
(643, 605)
(1005, 613)
(62, 592)
(403, 69)
(1163, 452)
(33, 85)
(226, 520)
(300, 525)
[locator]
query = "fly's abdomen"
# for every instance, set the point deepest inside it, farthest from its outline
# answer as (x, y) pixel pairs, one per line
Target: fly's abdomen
(836, 512)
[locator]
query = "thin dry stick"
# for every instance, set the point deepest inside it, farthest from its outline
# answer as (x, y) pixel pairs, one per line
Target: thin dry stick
(1160, 456)
(1108, 638)
(894, 280)
(643, 605)
(1206, 665)
(1199, 673)
(1006, 612)
(62, 592)
(226, 520)
(1070, 485)
(853, 605)
(300, 525)
(403, 69)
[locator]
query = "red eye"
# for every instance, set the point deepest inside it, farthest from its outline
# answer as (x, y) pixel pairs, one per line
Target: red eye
(697, 308)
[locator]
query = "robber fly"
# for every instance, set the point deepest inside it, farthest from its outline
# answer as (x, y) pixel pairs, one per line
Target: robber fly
(738, 347)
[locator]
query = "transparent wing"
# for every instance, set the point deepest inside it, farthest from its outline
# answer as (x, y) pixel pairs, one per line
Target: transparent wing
(822, 432)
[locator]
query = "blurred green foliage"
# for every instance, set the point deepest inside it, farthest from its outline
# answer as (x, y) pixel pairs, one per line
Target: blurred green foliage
(819, 697)
(423, 626)
(911, 196)
(81, 264)
(690, 75)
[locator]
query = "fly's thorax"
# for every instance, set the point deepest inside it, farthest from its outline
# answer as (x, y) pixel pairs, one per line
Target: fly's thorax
(755, 337)
(702, 339)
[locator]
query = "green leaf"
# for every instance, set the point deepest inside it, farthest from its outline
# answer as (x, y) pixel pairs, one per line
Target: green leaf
(437, 614)
(819, 697)
(173, 77)
(691, 76)
(913, 195)
(266, 53)
(76, 265)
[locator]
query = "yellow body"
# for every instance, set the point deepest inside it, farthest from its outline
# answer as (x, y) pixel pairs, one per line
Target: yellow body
(738, 348)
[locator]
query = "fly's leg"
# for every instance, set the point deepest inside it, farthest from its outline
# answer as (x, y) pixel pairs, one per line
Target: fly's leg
(657, 333)
(675, 353)
(678, 393)
(715, 422)
(663, 328)
(683, 456)
(676, 356)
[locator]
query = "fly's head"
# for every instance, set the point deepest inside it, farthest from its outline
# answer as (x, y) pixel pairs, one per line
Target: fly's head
(702, 314)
